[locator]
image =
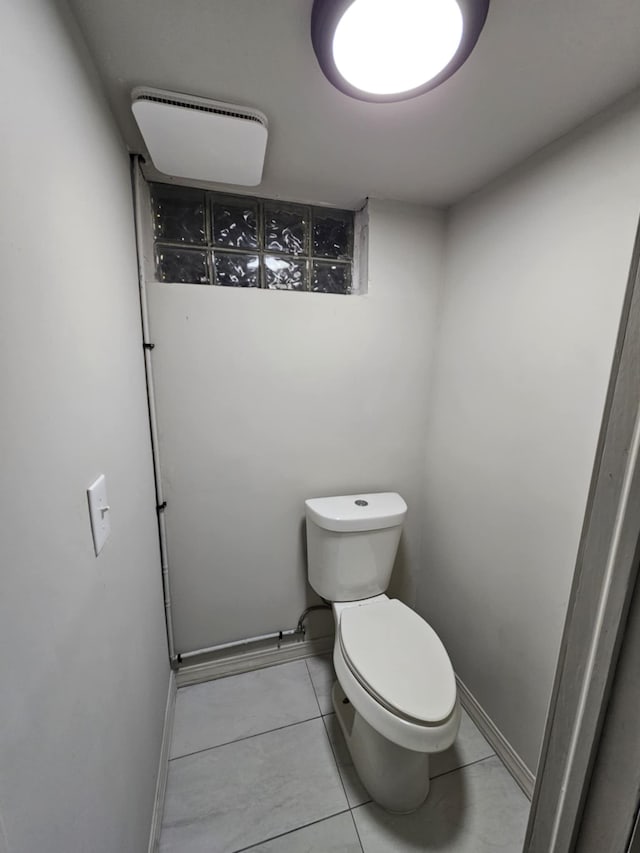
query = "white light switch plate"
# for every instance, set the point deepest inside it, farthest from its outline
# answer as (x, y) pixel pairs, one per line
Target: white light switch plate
(99, 511)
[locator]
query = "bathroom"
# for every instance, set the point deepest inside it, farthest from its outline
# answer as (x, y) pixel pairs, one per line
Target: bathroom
(473, 384)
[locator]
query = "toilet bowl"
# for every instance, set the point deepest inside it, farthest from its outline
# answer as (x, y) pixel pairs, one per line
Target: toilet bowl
(401, 699)
(395, 698)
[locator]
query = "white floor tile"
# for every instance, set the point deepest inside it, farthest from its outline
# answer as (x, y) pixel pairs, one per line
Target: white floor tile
(478, 809)
(233, 796)
(227, 709)
(334, 835)
(469, 746)
(322, 676)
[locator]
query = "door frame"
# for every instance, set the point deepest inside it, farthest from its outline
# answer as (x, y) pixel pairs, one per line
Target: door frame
(603, 584)
(611, 806)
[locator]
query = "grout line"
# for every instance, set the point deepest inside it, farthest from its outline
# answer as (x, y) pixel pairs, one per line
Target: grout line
(462, 766)
(338, 765)
(335, 758)
(355, 826)
(433, 778)
(315, 693)
(290, 831)
(246, 737)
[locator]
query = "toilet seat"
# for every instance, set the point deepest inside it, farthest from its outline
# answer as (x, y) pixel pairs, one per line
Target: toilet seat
(399, 659)
(382, 714)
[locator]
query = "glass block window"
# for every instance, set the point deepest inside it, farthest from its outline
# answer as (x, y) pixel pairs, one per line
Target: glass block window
(204, 237)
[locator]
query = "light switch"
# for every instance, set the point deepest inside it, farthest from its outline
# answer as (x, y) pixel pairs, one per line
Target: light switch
(99, 511)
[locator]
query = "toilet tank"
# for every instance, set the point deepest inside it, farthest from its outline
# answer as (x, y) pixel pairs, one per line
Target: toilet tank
(352, 541)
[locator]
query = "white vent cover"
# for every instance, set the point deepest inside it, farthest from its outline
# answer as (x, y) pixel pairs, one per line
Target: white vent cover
(189, 137)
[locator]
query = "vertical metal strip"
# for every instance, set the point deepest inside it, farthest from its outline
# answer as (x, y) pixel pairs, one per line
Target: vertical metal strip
(140, 192)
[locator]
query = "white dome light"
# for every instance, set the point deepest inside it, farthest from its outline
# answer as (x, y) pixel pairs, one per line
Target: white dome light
(392, 50)
(388, 48)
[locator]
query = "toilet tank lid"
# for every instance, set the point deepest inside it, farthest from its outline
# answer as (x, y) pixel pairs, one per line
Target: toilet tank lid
(346, 513)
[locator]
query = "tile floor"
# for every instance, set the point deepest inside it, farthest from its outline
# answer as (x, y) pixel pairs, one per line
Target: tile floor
(258, 764)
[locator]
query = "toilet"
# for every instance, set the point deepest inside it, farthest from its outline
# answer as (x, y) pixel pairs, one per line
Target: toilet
(395, 698)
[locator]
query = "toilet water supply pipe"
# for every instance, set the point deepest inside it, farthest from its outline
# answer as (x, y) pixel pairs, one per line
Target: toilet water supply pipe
(276, 635)
(139, 191)
(298, 631)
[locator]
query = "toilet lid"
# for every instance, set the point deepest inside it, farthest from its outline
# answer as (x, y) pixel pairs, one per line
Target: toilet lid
(399, 659)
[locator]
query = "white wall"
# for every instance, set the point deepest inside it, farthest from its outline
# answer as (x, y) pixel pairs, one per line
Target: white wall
(266, 398)
(83, 670)
(535, 273)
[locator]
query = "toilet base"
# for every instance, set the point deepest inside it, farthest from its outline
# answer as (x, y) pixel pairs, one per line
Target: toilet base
(396, 778)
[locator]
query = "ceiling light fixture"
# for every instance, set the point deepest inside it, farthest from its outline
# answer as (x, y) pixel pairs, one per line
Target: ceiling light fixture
(391, 50)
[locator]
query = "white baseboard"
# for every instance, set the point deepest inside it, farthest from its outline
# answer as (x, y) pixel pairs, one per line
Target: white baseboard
(503, 749)
(163, 767)
(249, 659)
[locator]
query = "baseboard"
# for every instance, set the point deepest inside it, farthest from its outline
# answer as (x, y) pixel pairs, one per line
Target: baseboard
(503, 749)
(249, 659)
(163, 767)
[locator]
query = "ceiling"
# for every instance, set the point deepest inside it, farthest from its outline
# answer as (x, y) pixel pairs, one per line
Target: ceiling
(540, 68)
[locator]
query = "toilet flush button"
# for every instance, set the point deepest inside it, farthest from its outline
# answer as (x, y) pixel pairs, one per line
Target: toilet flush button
(360, 502)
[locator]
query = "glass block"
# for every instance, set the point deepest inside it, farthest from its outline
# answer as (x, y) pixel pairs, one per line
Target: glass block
(332, 234)
(328, 277)
(235, 224)
(236, 269)
(286, 228)
(285, 273)
(178, 214)
(184, 266)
